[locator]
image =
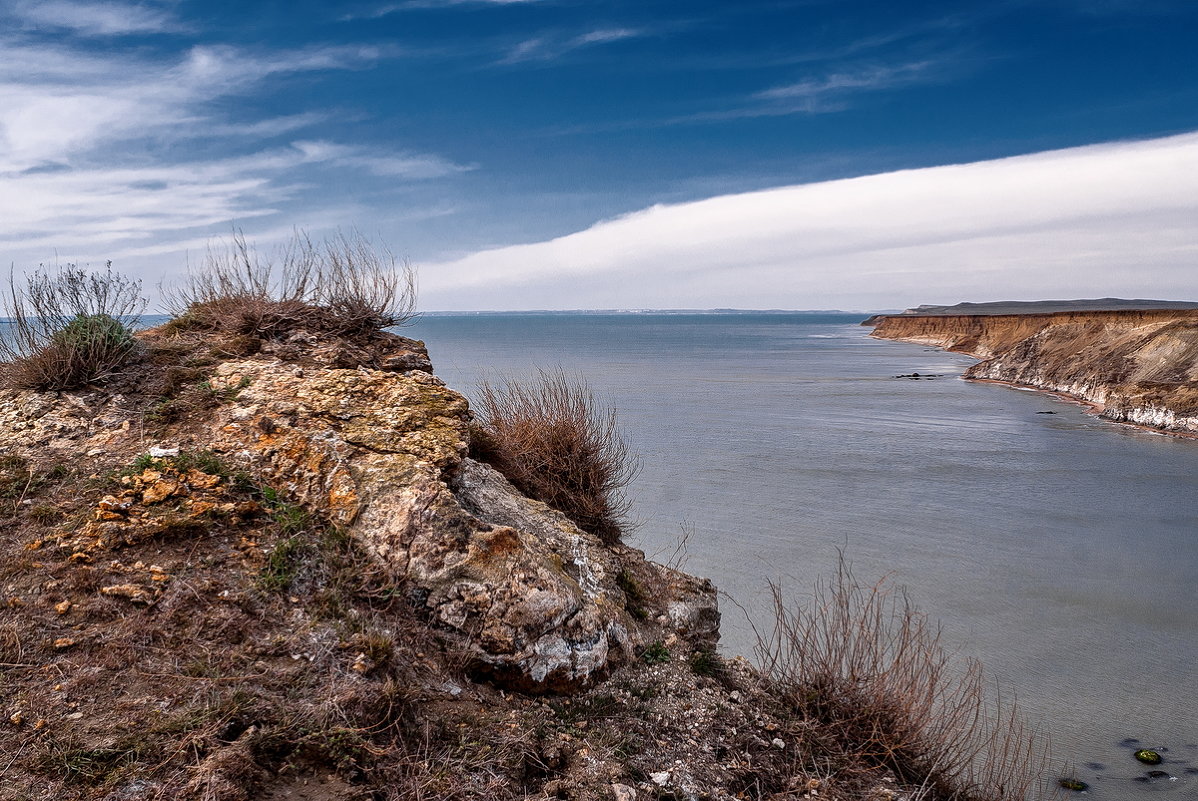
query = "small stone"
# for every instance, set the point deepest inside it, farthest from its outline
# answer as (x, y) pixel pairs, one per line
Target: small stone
(622, 792)
(63, 608)
(660, 779)
(63, 642)
(159, 452)
(735, 696)
(16, 718)
(75, 716)
(778, 743)
(131, 592)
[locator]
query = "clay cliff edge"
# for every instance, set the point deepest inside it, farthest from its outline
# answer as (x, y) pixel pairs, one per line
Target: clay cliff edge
(1133, 366)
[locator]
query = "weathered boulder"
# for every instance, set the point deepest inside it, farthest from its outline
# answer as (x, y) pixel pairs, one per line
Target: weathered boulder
(533, 597)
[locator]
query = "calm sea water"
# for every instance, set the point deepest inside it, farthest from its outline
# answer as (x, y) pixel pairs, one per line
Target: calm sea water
(1059, 549)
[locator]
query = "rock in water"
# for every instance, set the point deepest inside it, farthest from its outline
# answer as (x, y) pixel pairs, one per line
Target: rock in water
(1148, 756)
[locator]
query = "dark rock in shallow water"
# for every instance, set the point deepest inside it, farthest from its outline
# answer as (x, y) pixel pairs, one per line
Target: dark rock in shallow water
(1045, 412)
(1096, 766)
(1130, 741)
(1148, 756)
(1072, 784)
(1157, 774)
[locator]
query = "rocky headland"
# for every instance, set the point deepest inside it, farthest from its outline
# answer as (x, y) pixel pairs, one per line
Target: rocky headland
(1136, 366)
(278, 567)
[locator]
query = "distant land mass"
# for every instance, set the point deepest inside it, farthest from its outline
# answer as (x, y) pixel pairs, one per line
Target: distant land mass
(642, 311)
(1134, 361)
(1051, 306)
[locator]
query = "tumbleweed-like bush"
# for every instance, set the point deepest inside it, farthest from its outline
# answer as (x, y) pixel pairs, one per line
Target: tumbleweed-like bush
(869, 671)
(342, 286)
(68, 327)
(549, 437)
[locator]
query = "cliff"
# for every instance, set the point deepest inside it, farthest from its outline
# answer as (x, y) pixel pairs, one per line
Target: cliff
(1135, 366)
(244, 566)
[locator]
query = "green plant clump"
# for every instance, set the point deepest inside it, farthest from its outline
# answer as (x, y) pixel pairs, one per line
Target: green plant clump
(100, 332)
(656, 654)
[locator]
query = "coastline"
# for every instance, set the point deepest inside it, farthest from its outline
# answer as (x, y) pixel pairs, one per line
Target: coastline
(1133, 367)
(1092, 407)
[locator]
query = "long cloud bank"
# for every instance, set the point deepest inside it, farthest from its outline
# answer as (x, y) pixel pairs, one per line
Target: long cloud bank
(1117, 219)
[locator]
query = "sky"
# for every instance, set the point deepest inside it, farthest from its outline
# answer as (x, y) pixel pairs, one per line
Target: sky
(565, 154)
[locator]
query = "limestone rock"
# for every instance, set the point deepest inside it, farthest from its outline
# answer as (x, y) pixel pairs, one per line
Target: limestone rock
(532, 597)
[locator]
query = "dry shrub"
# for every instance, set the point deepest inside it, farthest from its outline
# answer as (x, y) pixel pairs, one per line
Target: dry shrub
(551, 441)
(869, 669)
(342, 286)
(68, 327)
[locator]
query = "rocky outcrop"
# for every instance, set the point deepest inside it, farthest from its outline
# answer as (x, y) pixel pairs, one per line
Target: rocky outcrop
(1136, 366)
(536, 603)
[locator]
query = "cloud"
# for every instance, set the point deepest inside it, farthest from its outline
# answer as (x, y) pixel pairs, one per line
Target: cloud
(412, 5)
(94, 19)
(403, 165)
(71, 102)
(90, 149)
(550, 47)
(809, 93)
(1112, 219)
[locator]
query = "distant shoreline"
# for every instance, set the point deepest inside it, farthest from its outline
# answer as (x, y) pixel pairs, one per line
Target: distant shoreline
(644, 312)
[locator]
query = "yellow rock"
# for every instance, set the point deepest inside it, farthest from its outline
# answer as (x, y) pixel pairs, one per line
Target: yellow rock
(132, 592)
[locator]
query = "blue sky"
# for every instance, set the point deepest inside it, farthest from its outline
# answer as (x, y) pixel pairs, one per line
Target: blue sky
(571, 154)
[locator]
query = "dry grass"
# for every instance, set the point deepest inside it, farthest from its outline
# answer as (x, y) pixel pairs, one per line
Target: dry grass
(869, 669)
(342, 286)
(69, 327)
(549, 438)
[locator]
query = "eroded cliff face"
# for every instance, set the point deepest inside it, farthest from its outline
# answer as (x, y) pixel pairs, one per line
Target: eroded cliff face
(1136, 366)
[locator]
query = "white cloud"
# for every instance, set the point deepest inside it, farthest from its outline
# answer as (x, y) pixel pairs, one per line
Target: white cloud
(61, 103)
(549, 47)
(406, 165)
(812, 90)
(89, 151)
(1113, 219)
(94, 19)
(411, 5)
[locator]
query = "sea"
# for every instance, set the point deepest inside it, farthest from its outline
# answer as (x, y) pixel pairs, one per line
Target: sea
(1059, 549)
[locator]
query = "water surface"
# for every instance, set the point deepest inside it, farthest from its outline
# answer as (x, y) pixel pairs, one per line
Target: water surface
(1058, 548)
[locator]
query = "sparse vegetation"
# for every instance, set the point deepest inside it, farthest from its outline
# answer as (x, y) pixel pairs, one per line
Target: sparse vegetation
(343, 286)
(655, 654)
(69, 327)
(551, 440)
(869, 668)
